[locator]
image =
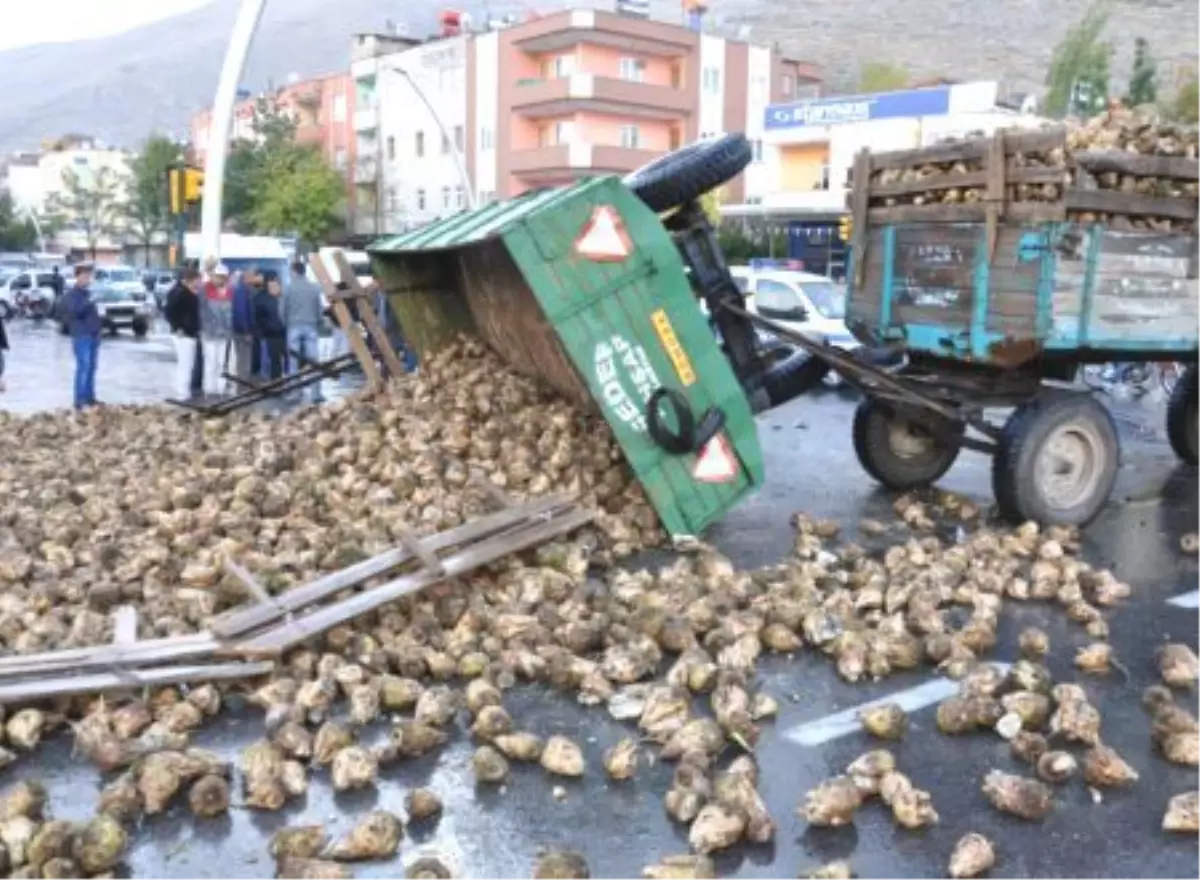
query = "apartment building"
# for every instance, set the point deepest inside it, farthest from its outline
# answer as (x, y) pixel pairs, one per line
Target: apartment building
(547, 101)
(322, 108)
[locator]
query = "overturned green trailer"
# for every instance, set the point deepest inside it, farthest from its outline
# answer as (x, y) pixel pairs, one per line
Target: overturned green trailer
(584, 288)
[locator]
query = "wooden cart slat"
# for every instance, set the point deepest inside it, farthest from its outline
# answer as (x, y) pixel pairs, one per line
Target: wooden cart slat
(42, 688)
(968, 180)
(1121, 162)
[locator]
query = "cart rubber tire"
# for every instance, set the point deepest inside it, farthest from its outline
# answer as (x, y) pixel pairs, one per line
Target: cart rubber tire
(689, 172)
(874, 442)
(1087, 428)
(1183, 421)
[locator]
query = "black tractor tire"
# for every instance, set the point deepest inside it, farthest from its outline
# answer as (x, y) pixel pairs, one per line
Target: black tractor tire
(1183, 421)
(689, 172)
(1091, 457)
(875, 443)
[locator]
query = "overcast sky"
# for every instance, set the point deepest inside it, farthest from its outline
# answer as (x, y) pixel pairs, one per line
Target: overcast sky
(44, 21)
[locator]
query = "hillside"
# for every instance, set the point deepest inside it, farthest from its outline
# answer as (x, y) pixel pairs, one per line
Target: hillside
(122, 87)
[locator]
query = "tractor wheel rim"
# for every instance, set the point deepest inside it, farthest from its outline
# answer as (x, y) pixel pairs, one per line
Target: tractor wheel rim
(909, 442)
(1070, 465)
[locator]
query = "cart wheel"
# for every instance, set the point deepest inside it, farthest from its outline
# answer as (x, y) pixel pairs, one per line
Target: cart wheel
(901, 452)
(1182, 419)
(1056, 461)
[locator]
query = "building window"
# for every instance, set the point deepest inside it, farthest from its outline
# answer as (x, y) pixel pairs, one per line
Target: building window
(808, 90)
(391, 201)
(445, 144)
(458, 197)
(459, 138)
(339, 159)
(485, 139)
(633, 69)
(391, 148)
(420, 143)
(339, 108)
(629, 137)
(420, 200)
(786, 85)
(564, 132)
(756, 148)
(710, 79)
(562, 65)
(445, 198)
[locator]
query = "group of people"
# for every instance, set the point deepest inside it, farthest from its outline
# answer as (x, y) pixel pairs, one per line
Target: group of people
(248, 319)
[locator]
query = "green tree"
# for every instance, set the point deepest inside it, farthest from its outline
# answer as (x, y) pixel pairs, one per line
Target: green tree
(295, 190)
(1187, 102)
(1143, 79)
(91, 203)
(879, 76)
(274, 133)
(1077, 81)
(147, 202)
(16, 233)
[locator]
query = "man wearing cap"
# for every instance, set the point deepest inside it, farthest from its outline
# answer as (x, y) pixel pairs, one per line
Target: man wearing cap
(83, 323)
(216, 328)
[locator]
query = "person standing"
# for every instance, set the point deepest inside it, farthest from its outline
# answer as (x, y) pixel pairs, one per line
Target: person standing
(301, 310)
(183, 317)
(269, 322)
(242, 314)
(216, 328)
(3, 349)
(84, 326)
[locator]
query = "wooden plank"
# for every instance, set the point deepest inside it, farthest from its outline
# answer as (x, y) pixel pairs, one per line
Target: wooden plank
(995, 191)
(369, 318)
(342, 315)
(125, 621)
(413, 545)
(963, 151)
(975, 212)
(1121, 162)
(1112, 202)
(860, 200)
(480, 554)
(42, 688)
(238, 621)
(969, 180)
(145, 651)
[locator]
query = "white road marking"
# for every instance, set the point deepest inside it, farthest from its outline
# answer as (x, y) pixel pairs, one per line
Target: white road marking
(839, 724)
(1186, 600)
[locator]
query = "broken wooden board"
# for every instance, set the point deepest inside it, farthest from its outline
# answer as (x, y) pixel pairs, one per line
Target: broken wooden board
(140, 653)
(68, 685)
(366, 314)
(239, 621)
(477, 555)
(342, 315)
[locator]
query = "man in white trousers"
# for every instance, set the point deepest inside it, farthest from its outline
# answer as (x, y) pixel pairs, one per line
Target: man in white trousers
(183, 317)
(216, 328)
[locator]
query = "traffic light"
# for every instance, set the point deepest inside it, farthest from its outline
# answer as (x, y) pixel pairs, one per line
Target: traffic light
(845, 228)
(193, 185)
(175, 189)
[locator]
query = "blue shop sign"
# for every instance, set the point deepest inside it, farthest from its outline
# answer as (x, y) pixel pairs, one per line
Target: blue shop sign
(859, 108)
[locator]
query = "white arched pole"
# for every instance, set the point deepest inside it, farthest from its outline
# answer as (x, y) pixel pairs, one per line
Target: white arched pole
(248, 16)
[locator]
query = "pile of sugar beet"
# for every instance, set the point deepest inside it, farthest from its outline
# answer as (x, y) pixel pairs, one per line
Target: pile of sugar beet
(138, 506)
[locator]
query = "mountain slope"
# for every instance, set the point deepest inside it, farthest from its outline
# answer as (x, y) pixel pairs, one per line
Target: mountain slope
(120, 88)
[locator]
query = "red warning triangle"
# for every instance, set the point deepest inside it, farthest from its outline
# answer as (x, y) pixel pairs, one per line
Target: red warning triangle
(603, 237)
(716, 462)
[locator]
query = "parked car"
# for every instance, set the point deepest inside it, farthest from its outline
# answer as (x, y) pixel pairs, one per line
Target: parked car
(121, 309)
(122, 279)
(26, 293)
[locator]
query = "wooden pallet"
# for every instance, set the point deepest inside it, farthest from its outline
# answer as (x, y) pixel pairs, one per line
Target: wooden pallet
(245, 641)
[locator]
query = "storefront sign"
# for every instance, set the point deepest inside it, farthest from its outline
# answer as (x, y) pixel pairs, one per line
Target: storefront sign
(859, 108)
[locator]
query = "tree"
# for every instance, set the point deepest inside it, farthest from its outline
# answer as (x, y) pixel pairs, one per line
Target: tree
(273, 131)
(295, 190)
(1185, 107)
(90, 202)
(16, 233)
(147, 205)
(1077, 82)
(879, 76)
(1143, 79)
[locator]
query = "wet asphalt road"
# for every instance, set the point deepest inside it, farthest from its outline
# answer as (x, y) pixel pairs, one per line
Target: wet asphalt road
(621, 827)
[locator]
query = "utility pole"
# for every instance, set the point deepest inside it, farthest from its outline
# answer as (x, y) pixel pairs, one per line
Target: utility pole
(468, 189)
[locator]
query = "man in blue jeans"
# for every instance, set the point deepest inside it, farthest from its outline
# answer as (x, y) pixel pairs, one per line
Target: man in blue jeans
(83, 323)
(301, 310)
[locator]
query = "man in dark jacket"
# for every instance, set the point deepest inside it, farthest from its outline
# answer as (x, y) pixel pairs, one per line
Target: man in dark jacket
(245, 356)
(183, 317)
(269, 322)
(3, 349)
(83, 323)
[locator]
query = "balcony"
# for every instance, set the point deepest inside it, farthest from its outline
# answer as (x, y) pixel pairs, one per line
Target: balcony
(600, 94)
(562, 30)
(366, 171)
(366, 119)
(577, 160)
